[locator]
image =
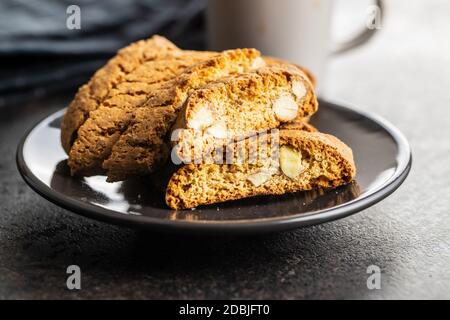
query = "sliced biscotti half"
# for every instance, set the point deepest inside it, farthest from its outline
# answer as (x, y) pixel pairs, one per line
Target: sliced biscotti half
(90, 95)
(236, 107)
(110, 117)
(139, 148)
(304, 161)
(205, 150)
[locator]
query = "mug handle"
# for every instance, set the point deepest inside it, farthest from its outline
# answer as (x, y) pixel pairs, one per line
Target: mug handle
(361, 38)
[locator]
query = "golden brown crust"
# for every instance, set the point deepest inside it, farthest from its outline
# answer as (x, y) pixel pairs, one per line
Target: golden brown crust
(329, 163)
(301, 124)
(104, 125)
(276, 61)
(141, 148)
(90, 95)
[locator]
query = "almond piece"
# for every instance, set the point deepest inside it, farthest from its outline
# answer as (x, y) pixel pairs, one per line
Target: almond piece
(218, 130)
(285, 108)
(298, 88)
(259, 177)
(258, 63)
(201, 119)
(291, 162)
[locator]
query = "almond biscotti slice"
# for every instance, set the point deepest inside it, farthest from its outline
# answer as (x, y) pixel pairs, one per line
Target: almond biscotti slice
(304, 161)
(243, 105)
(201, 149)
(103, 125)
(90, 95)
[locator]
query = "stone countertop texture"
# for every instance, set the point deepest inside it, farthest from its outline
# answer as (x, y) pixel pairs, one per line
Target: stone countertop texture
(403, 74)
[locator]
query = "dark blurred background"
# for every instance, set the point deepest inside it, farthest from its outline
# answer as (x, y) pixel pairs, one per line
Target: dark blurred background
(39, 54)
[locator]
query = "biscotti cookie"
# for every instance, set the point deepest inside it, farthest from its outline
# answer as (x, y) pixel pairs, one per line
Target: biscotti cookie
(306, 160)
(90, 95)
(104, 125)
(201, 150)
(243, 105)
(139, 149)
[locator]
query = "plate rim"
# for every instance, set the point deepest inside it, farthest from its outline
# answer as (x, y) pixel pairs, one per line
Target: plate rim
(241, 226)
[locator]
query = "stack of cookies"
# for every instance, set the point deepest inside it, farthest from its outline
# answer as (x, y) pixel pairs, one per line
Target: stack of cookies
(220, 125)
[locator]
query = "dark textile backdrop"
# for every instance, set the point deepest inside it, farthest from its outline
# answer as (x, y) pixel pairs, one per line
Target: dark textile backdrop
(40, 55)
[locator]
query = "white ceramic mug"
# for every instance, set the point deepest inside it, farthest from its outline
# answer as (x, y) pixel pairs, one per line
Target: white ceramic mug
(295, 30)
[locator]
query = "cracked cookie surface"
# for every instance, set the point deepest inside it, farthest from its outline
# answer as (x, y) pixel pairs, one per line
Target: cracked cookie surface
(90, 95)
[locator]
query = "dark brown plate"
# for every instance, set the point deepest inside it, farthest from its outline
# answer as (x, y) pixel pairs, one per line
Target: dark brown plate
(382, 155)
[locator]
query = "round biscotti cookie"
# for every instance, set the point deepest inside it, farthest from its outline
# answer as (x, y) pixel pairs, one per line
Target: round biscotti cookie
(301, 161)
